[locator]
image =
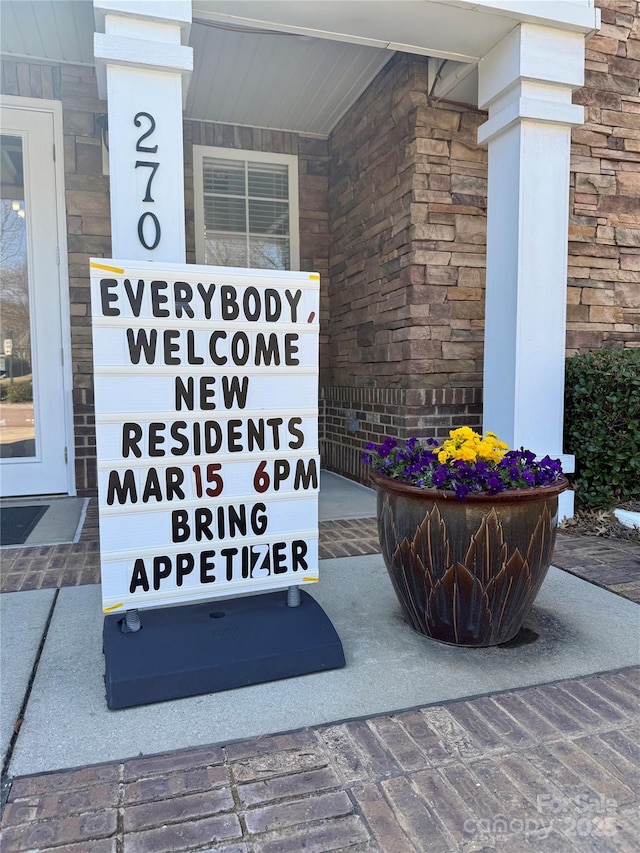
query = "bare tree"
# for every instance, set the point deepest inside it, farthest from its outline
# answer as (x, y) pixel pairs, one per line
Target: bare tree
(14, 284)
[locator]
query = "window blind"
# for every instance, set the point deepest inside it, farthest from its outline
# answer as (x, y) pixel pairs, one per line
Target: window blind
(246, 213)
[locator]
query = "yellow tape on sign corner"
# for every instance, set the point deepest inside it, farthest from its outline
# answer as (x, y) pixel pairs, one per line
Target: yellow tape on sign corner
(310, 580)
(113, 607)
(108, 269)
(314, 277)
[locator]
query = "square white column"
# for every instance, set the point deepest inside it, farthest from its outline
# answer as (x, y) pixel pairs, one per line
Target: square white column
(142, 67)
(526, 82)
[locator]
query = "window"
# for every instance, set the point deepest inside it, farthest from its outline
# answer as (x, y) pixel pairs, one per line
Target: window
(246, 208)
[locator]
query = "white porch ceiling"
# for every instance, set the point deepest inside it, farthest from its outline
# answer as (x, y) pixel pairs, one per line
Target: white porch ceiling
(277, 80)
(57, 30)
(300, 65)
(241, 76)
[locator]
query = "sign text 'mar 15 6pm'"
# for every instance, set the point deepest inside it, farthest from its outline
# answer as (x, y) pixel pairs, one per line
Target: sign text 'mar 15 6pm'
(206, 401)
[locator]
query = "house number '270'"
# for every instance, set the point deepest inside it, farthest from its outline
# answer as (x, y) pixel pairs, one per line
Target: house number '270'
(148, 224)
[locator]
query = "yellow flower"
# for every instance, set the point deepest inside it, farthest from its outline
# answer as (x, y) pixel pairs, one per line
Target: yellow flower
(463, 434)
(491, 449)
(465, 444)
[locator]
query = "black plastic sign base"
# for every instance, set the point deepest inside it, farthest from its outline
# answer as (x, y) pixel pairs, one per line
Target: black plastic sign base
(219, 645)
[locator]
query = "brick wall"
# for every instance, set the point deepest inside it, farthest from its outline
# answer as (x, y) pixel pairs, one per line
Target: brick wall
(88, 223)
(354, 416)
(407, 203)
(604, 232)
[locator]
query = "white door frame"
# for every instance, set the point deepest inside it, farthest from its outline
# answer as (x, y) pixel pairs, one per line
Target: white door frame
(54, 108)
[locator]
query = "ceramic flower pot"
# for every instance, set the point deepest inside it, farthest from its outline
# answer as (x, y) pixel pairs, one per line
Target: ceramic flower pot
(466, 572)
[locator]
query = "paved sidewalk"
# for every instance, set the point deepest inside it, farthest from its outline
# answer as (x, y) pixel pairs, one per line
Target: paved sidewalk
(548, 768)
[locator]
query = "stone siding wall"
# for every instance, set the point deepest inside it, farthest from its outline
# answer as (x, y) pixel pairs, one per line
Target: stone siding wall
(407, 209)
(313, 177)
(604, 232)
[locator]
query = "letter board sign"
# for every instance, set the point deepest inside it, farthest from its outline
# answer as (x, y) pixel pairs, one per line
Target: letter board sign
(206, 401)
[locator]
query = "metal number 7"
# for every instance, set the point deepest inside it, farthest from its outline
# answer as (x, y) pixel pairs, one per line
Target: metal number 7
(154, 169)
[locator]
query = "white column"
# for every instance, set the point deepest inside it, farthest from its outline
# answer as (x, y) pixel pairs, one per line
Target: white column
(526, 82)
(143, 66)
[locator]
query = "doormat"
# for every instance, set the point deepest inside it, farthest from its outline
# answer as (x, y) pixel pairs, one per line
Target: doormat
(17, 522)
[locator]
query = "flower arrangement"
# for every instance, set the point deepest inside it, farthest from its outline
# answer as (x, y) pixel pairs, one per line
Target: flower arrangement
(466, 463)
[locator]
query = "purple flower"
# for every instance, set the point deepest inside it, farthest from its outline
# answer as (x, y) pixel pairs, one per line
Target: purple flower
(439, 476)
(495, 484)
(387, 446)
(463, 470)
(461, 490)
(417, 463)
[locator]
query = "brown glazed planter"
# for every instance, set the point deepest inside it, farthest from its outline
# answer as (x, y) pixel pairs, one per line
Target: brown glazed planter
(466, 572)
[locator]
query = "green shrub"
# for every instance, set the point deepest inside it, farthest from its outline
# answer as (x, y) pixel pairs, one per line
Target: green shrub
(602, 425)
(21, 392)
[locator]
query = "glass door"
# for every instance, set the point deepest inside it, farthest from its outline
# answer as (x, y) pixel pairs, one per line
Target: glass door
(33, 453)
(17, 415)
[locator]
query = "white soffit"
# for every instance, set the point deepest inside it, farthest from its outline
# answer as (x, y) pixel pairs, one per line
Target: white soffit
(55, 30)
(277, 80)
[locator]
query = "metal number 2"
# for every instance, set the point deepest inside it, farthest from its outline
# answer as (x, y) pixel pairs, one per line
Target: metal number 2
(145, 149)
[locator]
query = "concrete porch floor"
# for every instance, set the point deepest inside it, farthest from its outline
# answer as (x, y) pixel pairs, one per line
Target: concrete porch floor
(52, 672)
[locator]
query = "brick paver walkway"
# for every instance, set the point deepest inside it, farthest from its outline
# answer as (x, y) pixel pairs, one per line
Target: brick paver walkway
(54, 565)
(549, 768)
(611, 563)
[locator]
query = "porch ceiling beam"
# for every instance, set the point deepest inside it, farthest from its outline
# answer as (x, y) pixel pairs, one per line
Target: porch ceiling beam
(205, 16)
(461, 30)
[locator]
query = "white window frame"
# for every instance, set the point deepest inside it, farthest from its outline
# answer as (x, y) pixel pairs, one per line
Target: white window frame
(289, 160)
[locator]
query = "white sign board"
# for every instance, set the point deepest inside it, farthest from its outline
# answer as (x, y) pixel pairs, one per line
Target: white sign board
(206, 400)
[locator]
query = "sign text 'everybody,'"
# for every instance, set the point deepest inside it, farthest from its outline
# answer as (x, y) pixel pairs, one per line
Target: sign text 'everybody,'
(179, 300)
